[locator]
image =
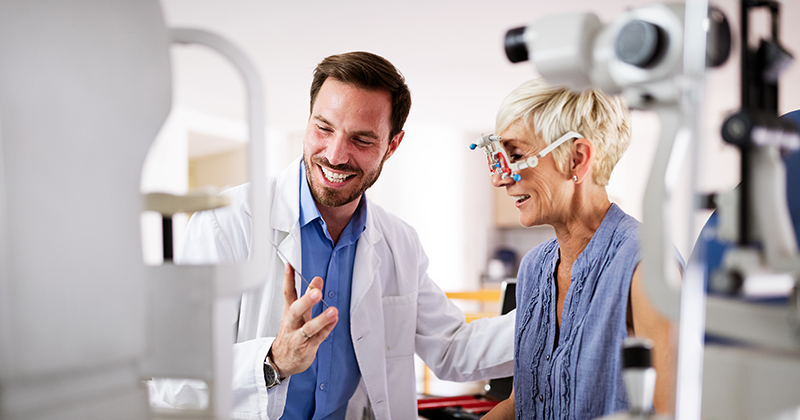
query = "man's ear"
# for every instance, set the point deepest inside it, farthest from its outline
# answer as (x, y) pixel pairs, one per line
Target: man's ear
(394, 143)
(582, 158)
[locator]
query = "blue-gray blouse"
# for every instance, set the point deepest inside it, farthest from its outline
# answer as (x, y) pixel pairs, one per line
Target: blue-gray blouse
(580, 377)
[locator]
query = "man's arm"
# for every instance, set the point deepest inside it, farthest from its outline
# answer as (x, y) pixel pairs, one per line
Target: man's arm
(454, 349)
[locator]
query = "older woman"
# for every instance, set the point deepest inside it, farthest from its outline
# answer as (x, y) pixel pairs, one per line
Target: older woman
(581, 294)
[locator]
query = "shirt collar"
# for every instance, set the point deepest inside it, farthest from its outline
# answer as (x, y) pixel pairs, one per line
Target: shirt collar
(308, 208)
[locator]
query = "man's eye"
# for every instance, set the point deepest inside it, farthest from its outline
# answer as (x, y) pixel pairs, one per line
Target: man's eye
(363, 142)
(325, 129)
(515, 157)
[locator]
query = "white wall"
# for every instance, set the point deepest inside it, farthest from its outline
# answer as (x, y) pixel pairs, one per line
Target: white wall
(434, 182)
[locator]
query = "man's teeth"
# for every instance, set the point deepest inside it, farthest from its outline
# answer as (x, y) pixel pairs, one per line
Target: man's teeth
(521, 197)
(334, 177)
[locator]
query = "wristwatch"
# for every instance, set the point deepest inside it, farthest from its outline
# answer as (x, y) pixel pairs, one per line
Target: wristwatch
(271, 374)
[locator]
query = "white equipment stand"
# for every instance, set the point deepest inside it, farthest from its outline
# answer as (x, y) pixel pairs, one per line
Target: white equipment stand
(84, 89)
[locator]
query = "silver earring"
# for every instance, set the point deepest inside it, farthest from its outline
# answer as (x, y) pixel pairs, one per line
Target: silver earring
(575, 178)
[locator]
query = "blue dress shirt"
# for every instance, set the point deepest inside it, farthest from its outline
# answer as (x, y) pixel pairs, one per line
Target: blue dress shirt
(323, 390)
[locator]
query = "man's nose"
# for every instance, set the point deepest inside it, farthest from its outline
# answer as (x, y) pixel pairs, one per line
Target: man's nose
(337, 149)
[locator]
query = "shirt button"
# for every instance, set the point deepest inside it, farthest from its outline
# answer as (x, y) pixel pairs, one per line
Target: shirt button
(541, 398)
(547, 357)
(331, 295)
(322, 386)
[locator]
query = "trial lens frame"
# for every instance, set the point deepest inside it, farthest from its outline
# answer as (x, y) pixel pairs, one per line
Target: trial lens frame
(500, 163)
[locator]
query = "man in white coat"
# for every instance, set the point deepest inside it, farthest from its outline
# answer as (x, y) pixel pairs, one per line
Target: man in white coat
(293, 358)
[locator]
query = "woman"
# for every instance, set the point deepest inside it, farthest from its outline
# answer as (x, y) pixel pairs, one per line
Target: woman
(581, 294)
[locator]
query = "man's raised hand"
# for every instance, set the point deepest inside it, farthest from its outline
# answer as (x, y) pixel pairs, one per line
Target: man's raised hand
(299, 335)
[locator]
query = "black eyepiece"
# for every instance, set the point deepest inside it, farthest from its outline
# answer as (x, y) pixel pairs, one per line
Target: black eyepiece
(718, 38)
(636, 353)
(638, 43)
(516, 49)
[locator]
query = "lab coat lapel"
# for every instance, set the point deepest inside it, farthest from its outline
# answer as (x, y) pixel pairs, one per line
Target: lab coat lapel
(366, 317)
(285, 221)
(367, 261)
(285, 213)
(285, 233)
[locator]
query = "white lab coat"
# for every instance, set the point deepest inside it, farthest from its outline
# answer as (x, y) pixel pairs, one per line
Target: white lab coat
(395, 309)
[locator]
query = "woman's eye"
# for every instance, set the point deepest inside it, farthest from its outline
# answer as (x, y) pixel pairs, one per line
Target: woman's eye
(515, 154)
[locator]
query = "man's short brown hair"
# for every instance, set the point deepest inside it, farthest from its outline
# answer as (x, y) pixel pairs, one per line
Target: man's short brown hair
(367, 71)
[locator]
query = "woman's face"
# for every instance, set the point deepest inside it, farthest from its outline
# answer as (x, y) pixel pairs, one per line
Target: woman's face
(542, 192)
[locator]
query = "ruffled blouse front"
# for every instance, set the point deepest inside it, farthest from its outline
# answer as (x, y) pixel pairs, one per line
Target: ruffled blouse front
(580, 376)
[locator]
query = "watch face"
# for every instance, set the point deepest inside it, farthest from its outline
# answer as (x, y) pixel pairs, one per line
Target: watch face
(270, 375)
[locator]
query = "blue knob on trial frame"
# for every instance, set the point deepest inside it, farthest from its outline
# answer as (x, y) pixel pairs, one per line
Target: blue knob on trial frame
(516, 177)
(472, 146)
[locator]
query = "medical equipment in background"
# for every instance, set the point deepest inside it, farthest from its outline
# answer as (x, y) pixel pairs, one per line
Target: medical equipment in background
(640, 380)
(502, 266)
(639, 375)
(656, 56)
(193, 309)
(755, 220)
(84, 89)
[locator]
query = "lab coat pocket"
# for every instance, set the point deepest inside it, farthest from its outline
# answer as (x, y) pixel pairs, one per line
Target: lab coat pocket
(400, 320)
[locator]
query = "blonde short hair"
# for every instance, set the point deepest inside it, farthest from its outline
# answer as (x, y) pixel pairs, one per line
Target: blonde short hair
(551, 111)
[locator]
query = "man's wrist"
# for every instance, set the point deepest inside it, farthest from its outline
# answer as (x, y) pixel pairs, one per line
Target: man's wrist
(272, 375)
(271, 359)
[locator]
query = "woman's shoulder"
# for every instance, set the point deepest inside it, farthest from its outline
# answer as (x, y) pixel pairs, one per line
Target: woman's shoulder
(626, 230)
(616, 240)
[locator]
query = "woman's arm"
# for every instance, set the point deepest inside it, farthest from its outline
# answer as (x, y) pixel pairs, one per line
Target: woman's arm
(504, 410)
(648, 322)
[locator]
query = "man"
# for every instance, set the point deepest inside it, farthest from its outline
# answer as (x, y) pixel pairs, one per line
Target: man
(355, 358)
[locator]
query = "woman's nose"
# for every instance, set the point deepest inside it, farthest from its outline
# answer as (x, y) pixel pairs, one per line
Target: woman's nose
(499, 181)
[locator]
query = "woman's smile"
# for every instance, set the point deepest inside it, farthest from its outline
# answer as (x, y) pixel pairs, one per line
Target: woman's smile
(521, 199)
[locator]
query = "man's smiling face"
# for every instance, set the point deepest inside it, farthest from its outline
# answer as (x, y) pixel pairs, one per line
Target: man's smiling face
(347, 142)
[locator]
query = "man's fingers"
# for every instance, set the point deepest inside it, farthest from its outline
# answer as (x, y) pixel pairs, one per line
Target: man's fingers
(295, 347)
(320, 327)
(316, 283)
(301, 308)
(289, 292)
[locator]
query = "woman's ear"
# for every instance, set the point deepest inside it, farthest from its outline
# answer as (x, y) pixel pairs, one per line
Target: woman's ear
(582, 158)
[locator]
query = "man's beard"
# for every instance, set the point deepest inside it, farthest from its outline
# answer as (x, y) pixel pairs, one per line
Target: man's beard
(330, 197)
